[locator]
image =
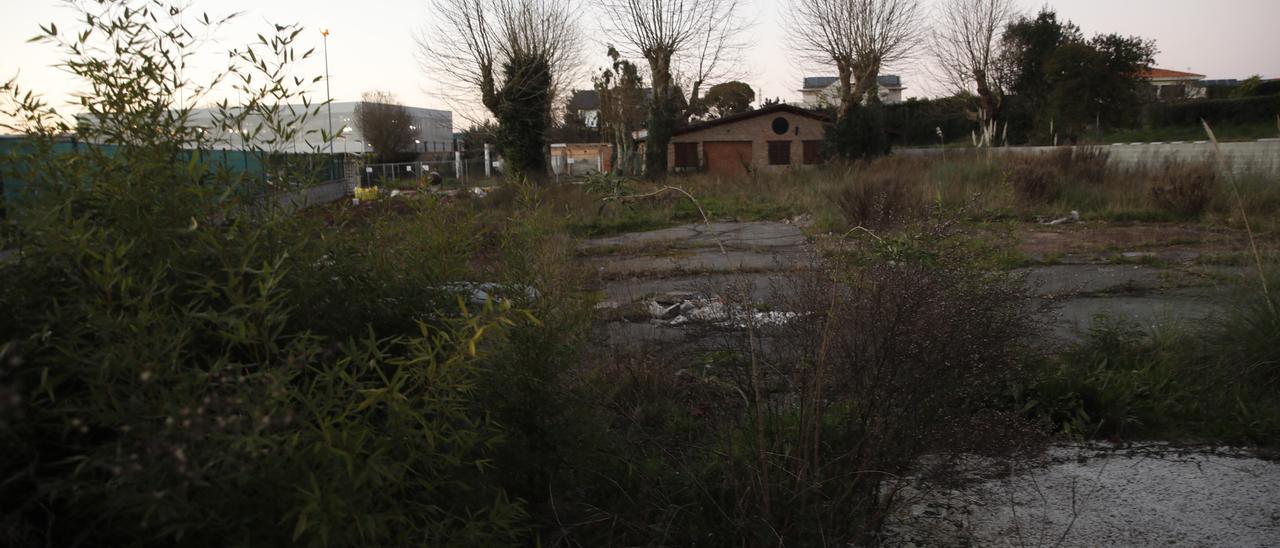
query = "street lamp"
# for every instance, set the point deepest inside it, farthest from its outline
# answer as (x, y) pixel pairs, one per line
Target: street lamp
(328, 98)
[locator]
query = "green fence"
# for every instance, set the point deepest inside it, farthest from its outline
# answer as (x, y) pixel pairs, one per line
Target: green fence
(16, 151)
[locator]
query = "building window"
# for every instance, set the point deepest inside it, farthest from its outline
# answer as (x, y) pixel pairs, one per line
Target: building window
(812, 152)
(779, 153)
(686, 155)
(781, 125)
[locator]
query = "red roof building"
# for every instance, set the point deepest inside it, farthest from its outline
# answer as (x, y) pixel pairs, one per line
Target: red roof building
(1175, 85)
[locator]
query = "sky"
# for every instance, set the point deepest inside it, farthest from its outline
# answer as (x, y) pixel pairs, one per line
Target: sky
(372, 45)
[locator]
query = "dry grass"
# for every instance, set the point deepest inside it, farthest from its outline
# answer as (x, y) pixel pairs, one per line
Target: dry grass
(897, 190)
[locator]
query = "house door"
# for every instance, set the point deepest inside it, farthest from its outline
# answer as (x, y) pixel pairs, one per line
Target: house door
(727, 158)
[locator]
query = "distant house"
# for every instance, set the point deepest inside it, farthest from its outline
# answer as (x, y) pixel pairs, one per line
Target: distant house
(1173, 85)
(773, 138)
(824, 91)
(585, 104)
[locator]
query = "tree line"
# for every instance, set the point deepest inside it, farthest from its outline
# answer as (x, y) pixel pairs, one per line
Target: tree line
(1009, 72)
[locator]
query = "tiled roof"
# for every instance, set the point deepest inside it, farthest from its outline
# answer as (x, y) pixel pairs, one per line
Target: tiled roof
(771, 109)
(818, 82)
(1159, 73)
(584, 99)
(821, 82)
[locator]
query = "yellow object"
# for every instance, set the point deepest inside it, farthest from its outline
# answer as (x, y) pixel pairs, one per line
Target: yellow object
(368, 194)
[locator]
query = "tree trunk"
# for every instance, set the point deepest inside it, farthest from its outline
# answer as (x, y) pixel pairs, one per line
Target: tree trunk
(661, 116)
(846, 91)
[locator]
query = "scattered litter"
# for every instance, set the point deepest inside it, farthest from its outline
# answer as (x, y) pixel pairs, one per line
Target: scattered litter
(481, 293)
(1073, 218)
(478, 192)
(676, 309)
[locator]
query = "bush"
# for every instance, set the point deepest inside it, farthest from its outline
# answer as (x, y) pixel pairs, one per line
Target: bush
(1185, 189)
(1172, 383)
(1087, 165)
(183, 364)
(887, 194)
(1035, 179)
(795, 430)
(1218, 112)
(859, 136)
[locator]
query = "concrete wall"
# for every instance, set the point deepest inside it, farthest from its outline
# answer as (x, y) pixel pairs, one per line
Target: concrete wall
(1262, 156)
(759, 131)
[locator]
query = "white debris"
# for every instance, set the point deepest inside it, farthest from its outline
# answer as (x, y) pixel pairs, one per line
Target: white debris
(716, 312)
(1073, 218)
(481, 293)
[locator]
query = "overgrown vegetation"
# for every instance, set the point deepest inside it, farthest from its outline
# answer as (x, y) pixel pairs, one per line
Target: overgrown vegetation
(972, 184)
(185, 362)
(1174, 383)
(182, 362)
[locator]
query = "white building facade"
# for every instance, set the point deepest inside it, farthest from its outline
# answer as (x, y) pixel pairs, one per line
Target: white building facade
(824, 91)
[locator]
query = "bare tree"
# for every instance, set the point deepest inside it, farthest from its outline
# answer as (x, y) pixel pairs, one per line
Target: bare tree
(515, 56)
(686, 44)
(386, 124)
(858, 36)
(966, 42)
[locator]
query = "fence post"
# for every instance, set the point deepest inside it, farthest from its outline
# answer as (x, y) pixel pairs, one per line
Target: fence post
(488, 164)
(457, 164)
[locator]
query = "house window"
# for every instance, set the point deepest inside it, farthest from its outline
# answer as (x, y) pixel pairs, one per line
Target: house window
(686, 155)
(779, 153)
(812, 152)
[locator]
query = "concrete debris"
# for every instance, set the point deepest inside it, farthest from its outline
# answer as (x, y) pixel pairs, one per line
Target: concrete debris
(713, 311)
(663, 312)
(478, 192)
(674, 297)
(485, 292)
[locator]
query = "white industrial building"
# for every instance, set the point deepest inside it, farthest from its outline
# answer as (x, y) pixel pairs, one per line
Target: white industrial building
(433, 129)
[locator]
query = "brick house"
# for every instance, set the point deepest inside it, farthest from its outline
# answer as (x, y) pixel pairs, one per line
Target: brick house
(773, 138)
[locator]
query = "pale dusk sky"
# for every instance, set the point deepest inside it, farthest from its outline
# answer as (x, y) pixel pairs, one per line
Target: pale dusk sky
(372, 44)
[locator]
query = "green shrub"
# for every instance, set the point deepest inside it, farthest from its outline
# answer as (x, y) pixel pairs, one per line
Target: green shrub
(181, 363)
(860, 135)
(1215, 111)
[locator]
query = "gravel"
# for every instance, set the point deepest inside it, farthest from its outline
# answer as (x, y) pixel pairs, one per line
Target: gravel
(1103, 495)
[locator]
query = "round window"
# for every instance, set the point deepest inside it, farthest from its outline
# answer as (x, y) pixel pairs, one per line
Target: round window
(781, 125)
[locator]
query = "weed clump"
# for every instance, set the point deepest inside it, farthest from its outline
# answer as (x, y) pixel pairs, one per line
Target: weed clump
(1184, 189)
(883, 195)
(1035, 181)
